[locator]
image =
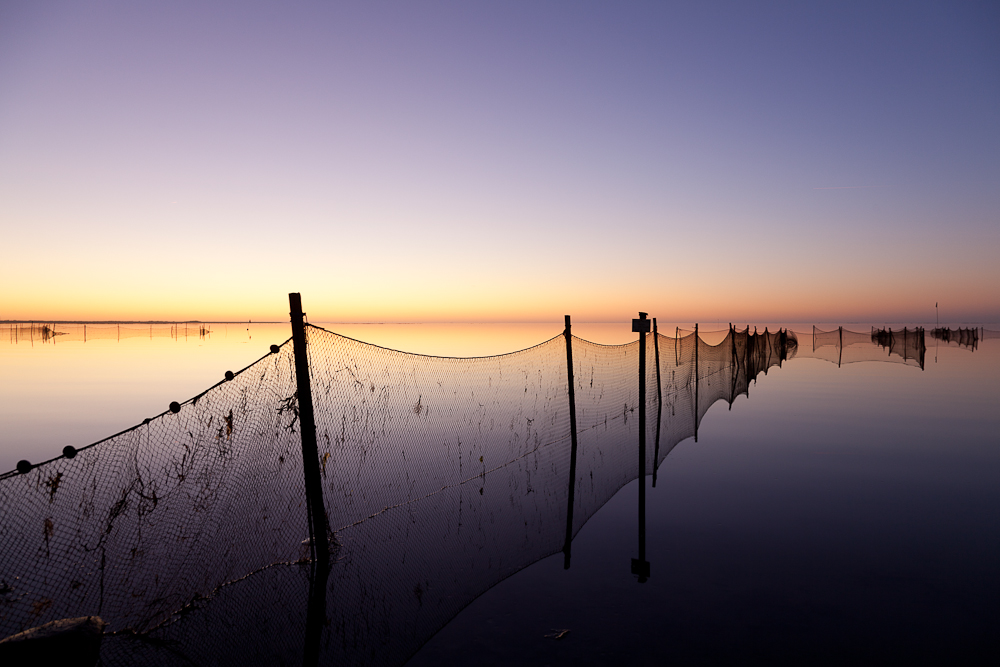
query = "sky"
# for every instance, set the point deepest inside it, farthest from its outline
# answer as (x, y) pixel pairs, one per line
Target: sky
(500, 161)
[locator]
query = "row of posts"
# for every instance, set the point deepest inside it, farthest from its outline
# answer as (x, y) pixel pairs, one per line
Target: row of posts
(640, 325)
(318, 526)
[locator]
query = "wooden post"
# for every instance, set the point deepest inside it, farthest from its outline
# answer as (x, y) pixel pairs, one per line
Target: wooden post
(659, 401)
(696, 382)
(640, 566)
(572, 455)
(735, 364)
(307, 422)
(840, 345)
(319, 539)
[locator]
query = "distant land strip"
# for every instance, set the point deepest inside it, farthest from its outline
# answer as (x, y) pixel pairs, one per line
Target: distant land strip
(136, 322)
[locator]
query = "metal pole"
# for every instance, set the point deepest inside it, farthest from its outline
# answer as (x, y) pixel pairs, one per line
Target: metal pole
(572, 456)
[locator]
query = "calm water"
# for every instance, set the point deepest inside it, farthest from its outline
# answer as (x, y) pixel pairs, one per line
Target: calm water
(60, 391)
(839, 514)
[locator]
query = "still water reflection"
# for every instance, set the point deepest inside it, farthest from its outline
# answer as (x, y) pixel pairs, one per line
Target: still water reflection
(845, 513)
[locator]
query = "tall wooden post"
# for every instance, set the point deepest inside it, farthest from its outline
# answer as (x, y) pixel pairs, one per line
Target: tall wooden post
(320, 543)
(572, 455)
(307, 422)
(659, 401)
(640, 566)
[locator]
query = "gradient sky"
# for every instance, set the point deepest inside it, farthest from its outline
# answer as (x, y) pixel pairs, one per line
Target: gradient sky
(508, 161)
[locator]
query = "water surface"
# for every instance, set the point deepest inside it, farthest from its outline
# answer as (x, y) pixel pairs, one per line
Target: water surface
(827, 512)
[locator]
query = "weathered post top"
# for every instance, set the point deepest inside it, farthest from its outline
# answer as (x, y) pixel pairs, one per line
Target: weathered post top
(640, 325)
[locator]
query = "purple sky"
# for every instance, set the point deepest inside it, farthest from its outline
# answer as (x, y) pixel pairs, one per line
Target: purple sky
(512, 161)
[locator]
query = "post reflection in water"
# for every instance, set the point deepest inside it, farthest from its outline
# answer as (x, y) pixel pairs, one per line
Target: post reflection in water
(440, 477)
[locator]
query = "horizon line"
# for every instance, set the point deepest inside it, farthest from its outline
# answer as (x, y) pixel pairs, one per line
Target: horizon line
(413, 322)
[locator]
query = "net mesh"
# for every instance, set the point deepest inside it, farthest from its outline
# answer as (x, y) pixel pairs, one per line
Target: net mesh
(152, 520)
(440, 477)
(841, 346)
(962, 337)
(61, 332)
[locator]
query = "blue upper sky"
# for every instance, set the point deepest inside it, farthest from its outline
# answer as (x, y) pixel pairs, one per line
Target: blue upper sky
(510, 160)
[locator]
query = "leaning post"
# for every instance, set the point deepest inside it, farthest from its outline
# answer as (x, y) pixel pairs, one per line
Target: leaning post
(572, 456)
(307, 423)
(320, 542)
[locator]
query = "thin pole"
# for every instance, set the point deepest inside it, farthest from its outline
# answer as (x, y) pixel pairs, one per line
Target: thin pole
(696, 382)
(840, 346)
(572, 456)
(735, 365)
(659, 401)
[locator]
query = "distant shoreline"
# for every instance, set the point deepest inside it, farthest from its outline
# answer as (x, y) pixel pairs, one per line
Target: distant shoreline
(131, 322)
(164, 322)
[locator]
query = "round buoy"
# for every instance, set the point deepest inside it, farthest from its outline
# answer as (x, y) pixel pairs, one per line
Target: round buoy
(275, 349)
(175, 407)
(229, 375)
(145, 421)
(69, 451)
(24, 467)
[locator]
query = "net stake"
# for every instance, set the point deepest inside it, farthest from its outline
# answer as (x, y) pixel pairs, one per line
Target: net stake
(572, 457)
(659, 400)
(640, 566)
(696, 380)
(320, 543)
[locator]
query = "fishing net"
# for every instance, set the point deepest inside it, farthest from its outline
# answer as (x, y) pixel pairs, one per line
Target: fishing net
(155, 519)
(962, 337)
(440, 477)
(841, 346)
(57, 333)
